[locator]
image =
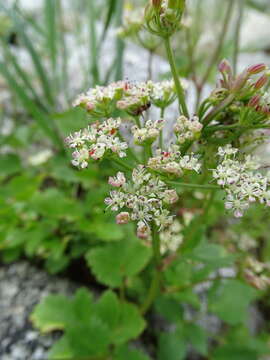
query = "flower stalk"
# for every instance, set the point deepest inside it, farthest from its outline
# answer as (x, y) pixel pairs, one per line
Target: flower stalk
(179, 89)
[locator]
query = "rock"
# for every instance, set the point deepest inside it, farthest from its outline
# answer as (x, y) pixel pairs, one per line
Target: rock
(22, 286)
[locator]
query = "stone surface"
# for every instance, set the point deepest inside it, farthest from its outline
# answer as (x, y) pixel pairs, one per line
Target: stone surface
(22, 286)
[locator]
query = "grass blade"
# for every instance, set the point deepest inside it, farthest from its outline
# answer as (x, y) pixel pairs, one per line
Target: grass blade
(93, 48)
(40, 70)
(41, 118)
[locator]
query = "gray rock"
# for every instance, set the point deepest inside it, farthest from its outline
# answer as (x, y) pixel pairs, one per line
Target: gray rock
(22, 287)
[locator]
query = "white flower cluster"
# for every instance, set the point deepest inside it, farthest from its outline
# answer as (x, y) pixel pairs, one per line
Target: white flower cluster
(187, 129)
(132, 97)
(171, 161)
(135, 99)
(163, 93)
(241, 182)
(149, 132)
(94, 141)
(143, 199)
(171, 238)
(100, 101)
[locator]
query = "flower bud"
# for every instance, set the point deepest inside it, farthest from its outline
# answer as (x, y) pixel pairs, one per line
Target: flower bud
(122, 218)
(170, 196)
(261, 82)
(224, 66)
(256, 69)
(254, 101)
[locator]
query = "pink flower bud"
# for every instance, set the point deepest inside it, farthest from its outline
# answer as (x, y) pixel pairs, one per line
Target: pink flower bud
(254, 101)
(89, 106)
(117, 181)
(256, 69)
(122, 218)
(261, 82)
(224, 66)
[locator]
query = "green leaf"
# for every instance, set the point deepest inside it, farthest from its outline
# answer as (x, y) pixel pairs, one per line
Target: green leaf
(61, 350)
(234, 352)
(212, 254)
(88, 339)
(197, 337)
(71, 120)
(230, 300)
(113, 262)
(53, 203)
(169, 308)
(123, 319)
(171, 346)
(9, 164)
(188, 296)
(56, 312)
(125, 353)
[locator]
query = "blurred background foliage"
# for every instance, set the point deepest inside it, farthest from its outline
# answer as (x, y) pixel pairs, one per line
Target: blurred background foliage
(51, 213)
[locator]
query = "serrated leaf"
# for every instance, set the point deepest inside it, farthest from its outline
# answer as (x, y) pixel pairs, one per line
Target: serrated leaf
(113, 262)
(88, 338)
(230, 300)
(123, 319)
(56, 312)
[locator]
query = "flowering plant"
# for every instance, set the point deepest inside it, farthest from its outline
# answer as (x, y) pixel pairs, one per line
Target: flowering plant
(205, 154)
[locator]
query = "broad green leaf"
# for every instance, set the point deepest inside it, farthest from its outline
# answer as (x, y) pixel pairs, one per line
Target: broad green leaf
(230, 300)
(57, 311)
(123, 319)
(60, 350)
(113, 262)
(171, 346)
(88, 338)
(53, 203)
(52, 313)
(213, 254)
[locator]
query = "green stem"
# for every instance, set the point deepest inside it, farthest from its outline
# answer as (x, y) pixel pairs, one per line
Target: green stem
(179, 89)
(122, 164)
(155, 284)
(226, 102)
(137, 121)
(193, 186)
(162, 112)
